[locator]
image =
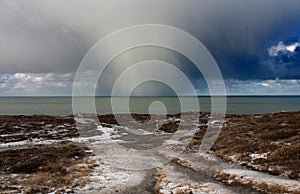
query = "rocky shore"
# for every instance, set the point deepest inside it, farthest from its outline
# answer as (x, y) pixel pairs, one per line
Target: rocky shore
(49, 154)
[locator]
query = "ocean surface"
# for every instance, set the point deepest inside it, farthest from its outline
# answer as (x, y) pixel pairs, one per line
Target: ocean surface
(63, 105)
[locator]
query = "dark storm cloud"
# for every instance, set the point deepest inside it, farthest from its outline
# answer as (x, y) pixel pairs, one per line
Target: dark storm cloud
(239, 33)
(53, 36)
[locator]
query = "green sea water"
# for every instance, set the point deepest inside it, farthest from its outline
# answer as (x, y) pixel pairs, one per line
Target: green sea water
(63, 105)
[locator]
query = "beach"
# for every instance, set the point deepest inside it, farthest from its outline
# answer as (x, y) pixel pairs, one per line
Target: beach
(256, 153)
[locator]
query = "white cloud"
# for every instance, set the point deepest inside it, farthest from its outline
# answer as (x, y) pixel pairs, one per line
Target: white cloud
(281, 47)
(52, 84)
(274, 50)
(293, 47)
(263, 87)
(265, 84)
(29, 84)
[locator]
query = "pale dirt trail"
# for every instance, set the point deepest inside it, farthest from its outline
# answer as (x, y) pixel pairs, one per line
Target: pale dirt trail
(125, 169)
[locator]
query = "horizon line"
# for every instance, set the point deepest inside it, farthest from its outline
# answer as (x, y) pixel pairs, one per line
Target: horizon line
(148, 96)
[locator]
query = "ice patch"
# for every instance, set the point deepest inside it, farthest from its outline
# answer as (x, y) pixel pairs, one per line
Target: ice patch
(245, 176)
(138, 131)
(254, 156)
(106, 178)
(108, 135)
(173, 142)
(85, 121)
(12, 144)
(172, 181)
(215, 122)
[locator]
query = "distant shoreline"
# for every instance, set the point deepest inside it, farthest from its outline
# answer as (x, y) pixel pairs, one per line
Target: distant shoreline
(205, 96)
(145, 114)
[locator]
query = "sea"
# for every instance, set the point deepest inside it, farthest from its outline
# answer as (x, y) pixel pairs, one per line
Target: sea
(63, 105)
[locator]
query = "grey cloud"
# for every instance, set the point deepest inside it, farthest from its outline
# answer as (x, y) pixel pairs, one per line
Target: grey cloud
(30, 42)
(53, 36)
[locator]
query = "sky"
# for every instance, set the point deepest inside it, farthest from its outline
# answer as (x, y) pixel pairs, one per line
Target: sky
(256, 43)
